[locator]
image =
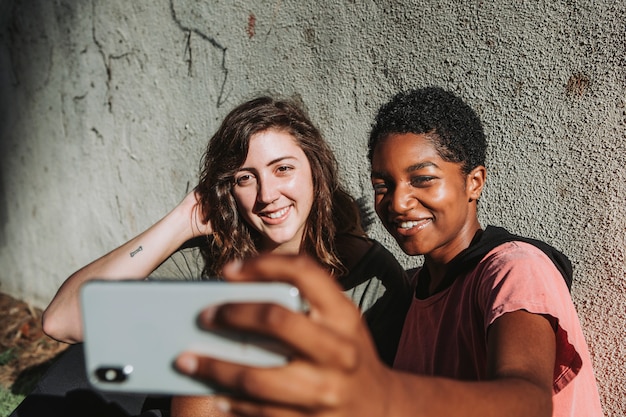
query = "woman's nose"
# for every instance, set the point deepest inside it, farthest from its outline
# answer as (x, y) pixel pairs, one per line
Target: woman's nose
(267, 191)
(401, 199)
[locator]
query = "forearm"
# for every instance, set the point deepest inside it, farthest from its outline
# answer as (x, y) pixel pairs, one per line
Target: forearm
(412, 395)
(135, 259)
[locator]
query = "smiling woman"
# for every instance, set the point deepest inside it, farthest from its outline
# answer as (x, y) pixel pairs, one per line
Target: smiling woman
(417, 194)
(259, 146)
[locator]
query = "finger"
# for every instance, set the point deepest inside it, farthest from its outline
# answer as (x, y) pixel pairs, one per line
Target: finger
(296, 384)
(305, 337)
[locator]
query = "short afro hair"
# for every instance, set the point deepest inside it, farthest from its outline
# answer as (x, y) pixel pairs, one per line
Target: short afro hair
(454, 128)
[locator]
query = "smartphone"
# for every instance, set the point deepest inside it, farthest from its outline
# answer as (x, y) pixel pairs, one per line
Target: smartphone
(134, 330)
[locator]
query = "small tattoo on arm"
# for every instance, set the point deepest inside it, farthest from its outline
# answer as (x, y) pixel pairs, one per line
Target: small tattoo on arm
(133, 253)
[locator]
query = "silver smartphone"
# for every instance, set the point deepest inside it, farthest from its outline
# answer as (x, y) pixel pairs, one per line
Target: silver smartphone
(134, 330)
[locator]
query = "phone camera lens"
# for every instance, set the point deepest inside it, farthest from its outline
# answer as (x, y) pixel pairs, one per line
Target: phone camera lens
(113, 373)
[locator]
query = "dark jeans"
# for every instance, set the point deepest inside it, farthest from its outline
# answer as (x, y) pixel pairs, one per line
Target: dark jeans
(64, 390)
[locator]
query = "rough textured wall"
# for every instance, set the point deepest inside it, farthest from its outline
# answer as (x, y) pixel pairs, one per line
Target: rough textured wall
(106, 107)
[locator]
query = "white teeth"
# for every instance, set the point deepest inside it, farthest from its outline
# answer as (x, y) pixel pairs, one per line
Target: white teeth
(408, 225)
(278, 213)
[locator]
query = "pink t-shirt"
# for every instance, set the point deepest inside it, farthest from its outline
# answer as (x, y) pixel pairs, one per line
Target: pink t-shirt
(446, 334)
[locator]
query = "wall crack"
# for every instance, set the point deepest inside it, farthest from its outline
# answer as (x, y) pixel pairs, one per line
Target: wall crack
(221, 99)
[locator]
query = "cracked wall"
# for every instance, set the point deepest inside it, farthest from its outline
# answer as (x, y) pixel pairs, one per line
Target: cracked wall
(106, 107)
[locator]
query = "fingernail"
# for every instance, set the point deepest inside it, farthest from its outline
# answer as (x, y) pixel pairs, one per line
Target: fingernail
(207, 315)
(222, 404)
(187, 363)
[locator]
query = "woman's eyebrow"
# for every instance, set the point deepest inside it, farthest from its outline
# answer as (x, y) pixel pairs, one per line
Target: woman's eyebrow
(280, 159)
(420, 165)
(270, 163)
(408, 170)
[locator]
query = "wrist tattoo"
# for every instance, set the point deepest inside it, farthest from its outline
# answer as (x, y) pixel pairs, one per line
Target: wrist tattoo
(136, 251)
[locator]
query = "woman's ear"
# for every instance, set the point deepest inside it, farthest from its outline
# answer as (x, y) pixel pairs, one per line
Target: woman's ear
(475, 182)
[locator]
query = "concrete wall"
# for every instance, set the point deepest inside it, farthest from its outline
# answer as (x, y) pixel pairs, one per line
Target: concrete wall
(106, 107)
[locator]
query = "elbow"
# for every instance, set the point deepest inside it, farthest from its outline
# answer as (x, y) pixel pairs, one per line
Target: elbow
(49, 325)
(53, 327)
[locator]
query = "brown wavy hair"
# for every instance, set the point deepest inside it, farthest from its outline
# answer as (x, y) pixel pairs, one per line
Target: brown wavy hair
(333, 212)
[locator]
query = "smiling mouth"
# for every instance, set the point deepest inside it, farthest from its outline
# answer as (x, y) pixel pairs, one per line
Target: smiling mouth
(276, 214)
(410, 224)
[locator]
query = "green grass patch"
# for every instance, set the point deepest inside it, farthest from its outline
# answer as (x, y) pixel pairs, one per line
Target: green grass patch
(7, 356)
(8, 401)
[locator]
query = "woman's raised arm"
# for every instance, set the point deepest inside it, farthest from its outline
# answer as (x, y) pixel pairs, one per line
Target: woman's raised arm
(135, 259)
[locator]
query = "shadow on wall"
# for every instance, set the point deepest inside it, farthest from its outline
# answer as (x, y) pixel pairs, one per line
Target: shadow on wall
(4, 215)
(4, 82)
(4, 212)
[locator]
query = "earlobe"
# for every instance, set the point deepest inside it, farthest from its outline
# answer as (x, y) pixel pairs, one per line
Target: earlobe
(475, 182)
